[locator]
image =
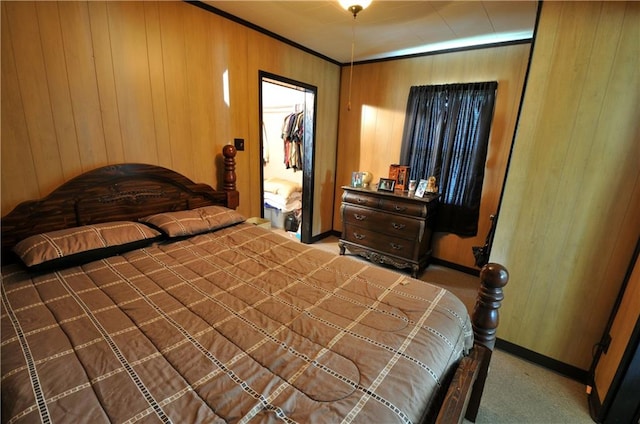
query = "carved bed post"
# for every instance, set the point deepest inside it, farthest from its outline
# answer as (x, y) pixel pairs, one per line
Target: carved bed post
(229, 176)
(229, 153)
(493, 277)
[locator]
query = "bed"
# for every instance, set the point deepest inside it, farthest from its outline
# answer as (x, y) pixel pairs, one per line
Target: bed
(131, 294)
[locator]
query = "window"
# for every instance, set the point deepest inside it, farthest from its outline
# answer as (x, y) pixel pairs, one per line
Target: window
(446, 134)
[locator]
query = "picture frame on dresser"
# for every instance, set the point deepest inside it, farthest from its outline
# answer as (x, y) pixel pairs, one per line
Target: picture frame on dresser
(386, 184)
(399, 173)
(422, 187)
(356, 179)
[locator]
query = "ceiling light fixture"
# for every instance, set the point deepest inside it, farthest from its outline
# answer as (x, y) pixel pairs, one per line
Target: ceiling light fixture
(355, 7)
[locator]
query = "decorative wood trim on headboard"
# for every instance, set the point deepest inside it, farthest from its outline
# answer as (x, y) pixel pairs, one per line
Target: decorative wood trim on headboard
(123, 192)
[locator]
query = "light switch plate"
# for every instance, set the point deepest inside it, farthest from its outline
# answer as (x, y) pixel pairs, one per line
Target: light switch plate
(239, 143)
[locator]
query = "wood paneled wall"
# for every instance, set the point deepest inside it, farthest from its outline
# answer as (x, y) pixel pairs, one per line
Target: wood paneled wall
(370, 134)
(85, 84)
(570, 216)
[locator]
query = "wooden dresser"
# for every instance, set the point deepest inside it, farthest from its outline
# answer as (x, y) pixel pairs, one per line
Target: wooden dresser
(388, 228)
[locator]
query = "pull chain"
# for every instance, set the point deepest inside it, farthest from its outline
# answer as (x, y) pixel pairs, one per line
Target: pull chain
(353, 44)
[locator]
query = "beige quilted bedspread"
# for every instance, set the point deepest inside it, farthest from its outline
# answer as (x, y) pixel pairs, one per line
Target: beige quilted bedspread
(240, 325)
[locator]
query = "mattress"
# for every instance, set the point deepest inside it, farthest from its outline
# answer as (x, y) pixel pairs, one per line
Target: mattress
(238, 325)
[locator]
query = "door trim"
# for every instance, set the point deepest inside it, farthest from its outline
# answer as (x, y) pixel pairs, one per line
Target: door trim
(308, 156)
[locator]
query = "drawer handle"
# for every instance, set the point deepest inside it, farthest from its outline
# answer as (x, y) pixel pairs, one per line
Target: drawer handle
(396, 246)
(359, 236)
(397, 226)
(361, 200)
(399, 208)
(359, 217)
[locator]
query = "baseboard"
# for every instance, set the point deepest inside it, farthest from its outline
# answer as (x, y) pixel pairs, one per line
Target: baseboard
(570, 371)
(467, 270)
(324, 235)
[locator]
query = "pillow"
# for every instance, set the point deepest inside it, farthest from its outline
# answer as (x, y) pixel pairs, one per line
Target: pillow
(280, 186)
(74, 246)
(194, 221)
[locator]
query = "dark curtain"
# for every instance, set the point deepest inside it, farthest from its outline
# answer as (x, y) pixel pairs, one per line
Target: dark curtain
(446, 134)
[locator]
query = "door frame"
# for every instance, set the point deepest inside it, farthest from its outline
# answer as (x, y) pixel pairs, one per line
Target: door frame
(308, 152)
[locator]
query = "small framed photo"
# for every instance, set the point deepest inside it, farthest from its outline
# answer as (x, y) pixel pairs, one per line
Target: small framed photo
(399, 173)
(387, 184)
(422, 187)
(356, 179)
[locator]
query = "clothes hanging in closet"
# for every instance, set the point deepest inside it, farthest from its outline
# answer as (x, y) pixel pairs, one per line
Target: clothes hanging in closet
(292, 135)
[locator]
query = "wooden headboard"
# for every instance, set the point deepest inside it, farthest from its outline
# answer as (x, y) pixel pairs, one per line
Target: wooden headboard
(123, 192)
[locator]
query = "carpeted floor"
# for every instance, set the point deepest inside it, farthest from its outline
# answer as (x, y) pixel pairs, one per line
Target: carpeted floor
(516, 391)
(519, 392)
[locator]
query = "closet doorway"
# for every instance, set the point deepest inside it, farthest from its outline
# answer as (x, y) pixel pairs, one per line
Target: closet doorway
(287, 137)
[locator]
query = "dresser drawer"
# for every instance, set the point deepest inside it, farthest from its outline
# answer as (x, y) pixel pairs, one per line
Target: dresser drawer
(360, 199)
(390, 224)
(380, 242)
(404, 207)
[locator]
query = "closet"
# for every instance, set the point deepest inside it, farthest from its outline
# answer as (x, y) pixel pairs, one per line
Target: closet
(283, 134)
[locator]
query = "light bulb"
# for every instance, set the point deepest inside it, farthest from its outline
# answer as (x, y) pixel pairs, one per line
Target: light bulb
(355, 6)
